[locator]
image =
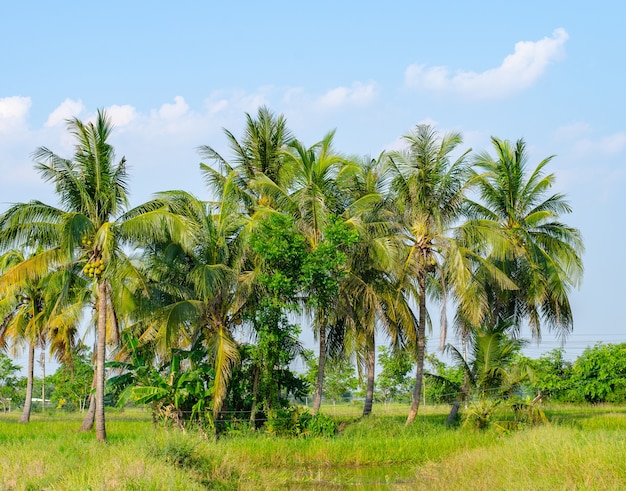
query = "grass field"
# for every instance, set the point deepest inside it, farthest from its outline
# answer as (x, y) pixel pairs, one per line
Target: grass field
(580, 448)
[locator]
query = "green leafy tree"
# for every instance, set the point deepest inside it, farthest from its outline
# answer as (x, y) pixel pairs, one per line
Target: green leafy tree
(394, 382)
(8, 382)
(322, 273)
(599, 374)
(281, 252)
(552, 375)
(339, 378)
(308, 188)
(73, 380)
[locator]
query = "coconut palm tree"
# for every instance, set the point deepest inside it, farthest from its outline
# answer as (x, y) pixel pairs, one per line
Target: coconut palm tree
(370, 296)
(292, 179)
(199, 291)
(492, 352)
(517, 222)
(309, 190)
(38, 311)
(429, 191)
(23, 321)
(492, 370)
(91, 227)
(260, 151)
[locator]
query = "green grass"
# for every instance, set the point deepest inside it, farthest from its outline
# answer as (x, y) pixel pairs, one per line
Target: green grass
(581, 448)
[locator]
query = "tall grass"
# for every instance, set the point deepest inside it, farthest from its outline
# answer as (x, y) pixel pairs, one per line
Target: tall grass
(582, 448)
(550, 457)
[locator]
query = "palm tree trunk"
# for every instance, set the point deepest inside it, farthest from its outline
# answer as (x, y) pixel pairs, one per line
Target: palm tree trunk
(101, 434)
(25, 417)
(317, 399)
(42, 361)
(89, 419)
(255, 395)
(371, 368)
(454, 411)
(421, 350)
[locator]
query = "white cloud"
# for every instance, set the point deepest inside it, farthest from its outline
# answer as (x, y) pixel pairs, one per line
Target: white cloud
(174, 111)
(579, 139)
(217, 106)
(608, 145)
(517, 72)
(13, 112)
(237, 101)
(357, 95)
(122, 115)
(69, 108)
(293, 95)
(572, 131)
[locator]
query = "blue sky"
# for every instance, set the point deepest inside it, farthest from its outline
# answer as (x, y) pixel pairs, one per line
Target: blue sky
(172, 75)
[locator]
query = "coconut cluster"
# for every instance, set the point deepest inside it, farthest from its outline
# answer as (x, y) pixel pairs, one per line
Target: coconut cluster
(94, 268)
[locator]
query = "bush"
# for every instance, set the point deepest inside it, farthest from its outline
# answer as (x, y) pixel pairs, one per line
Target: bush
(318, 425)
(480, 414)
(175, 448)
(284, 421)
(297, 421)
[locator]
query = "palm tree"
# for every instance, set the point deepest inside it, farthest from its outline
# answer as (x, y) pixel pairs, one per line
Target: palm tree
(260, 152)
(519, 228)
(39, 311)
(272, 173)
(370, 295)
(91, 227)
(492, 371)
(492, 353)
(429, 191)
(199, 295)
(22, 320)
(309, 190)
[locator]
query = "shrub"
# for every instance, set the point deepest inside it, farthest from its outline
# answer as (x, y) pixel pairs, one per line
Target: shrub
(284, 421)
(318, 425)
(175, 448)
(479, 414)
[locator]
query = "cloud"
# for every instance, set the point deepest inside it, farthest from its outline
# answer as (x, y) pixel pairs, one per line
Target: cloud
(174, 111)
(517, 72)
(578, 137)
(607, 145)
(572, 131)
(237, 101)
(357, 95)
(69, 108)
(122, 115)
(13, 112)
